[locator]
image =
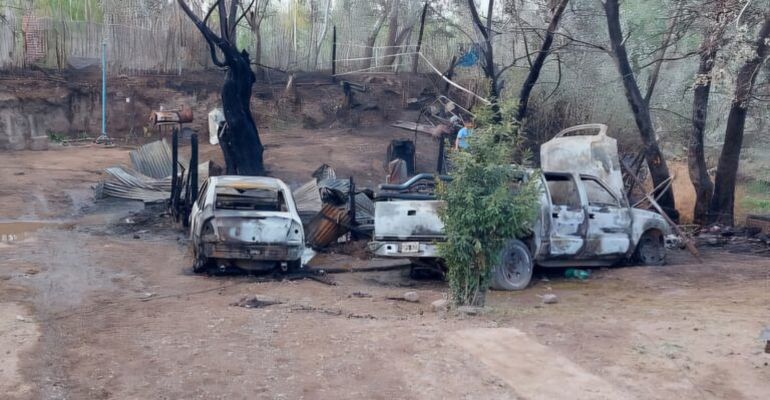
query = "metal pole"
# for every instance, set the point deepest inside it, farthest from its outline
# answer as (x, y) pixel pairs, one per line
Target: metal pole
(104, 88)
(103, 138)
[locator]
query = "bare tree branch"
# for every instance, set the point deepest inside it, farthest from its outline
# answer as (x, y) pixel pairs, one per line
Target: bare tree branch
(245, 11)
(223, 20)
(661, 55)
(657, 60)
(232, 20)
(211, 39)
(537, 65)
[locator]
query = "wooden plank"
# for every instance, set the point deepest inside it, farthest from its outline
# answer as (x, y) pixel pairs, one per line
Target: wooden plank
(687, 240)
(413, 126)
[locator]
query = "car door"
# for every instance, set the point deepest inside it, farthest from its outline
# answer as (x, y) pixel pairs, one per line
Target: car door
(609, 220)
(567, 216)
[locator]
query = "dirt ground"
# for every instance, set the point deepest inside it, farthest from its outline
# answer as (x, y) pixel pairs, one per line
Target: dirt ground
(96, 304)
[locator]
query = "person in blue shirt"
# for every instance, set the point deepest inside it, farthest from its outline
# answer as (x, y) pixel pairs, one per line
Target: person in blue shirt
(461, 143)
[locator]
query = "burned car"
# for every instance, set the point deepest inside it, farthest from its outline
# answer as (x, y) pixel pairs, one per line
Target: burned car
(246, 222)
(584, 216)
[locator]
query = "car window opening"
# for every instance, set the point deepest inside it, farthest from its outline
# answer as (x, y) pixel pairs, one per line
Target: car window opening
(598, 196)
(563, 191)
(250, 199)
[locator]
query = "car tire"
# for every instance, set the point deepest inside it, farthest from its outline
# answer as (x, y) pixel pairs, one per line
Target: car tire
(515, 269)
(201, 263)
(651, 249)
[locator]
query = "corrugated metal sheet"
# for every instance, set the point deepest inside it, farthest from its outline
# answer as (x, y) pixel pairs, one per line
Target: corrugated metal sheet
(342, 185)
(308, 201)
(153, 159)
(130, 184)
(328, 225)
(307, 197)
(364, 209)
(324, 172)
(150, 179)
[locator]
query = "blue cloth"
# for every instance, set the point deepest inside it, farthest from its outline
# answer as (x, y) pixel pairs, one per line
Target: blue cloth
(462, 138)
(469, 59)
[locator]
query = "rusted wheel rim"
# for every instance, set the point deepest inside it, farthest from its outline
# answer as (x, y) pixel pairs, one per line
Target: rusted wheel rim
(517, 266)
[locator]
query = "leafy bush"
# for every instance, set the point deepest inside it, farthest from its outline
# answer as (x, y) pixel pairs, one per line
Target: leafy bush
(487, 203)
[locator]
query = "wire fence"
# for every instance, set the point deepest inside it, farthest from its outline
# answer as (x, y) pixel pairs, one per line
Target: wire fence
(170, 43)
(46, 42)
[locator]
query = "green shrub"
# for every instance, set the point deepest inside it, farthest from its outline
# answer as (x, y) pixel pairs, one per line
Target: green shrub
(487, 203)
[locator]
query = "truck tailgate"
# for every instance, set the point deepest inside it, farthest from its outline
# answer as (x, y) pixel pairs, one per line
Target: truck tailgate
(408, 219)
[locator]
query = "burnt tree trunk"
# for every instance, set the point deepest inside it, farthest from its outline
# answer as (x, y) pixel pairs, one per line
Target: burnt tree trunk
(696, 159)
(241, 135)
(537, 65)
(723, 201)
(240, 143)
(655, 161)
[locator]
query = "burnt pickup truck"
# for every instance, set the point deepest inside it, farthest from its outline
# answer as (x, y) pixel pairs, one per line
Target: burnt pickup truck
(582, 220)
(581, 223)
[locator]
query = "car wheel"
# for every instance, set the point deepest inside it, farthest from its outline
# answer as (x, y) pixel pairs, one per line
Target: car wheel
(201, 263)
(515, 269)
(651, 249)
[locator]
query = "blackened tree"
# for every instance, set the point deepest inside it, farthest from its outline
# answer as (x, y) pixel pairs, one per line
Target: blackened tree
(240, 143)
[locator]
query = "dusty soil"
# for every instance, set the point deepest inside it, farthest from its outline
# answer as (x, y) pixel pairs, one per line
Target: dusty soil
(93, 306)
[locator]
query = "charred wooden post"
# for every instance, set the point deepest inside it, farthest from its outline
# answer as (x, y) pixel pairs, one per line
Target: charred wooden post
(348, 95)
(440, 165)
(174, 201)
(352, 211)
(184, 213)
(193, 168)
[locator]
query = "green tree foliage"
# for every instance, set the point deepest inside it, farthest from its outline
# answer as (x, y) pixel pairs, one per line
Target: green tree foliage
(488, 202)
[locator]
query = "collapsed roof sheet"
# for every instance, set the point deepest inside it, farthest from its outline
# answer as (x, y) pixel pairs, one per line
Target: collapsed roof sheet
(153, 159)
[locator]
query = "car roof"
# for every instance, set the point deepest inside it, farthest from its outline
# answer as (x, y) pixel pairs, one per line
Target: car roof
(248, 182)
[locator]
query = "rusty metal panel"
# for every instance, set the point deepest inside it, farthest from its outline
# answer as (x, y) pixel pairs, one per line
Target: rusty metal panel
(328, 225)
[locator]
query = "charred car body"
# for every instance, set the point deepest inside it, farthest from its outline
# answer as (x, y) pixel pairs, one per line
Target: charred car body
(582, 221)
(246, 222)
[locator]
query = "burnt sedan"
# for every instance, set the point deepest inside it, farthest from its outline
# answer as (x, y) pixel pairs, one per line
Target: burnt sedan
(246, 222)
